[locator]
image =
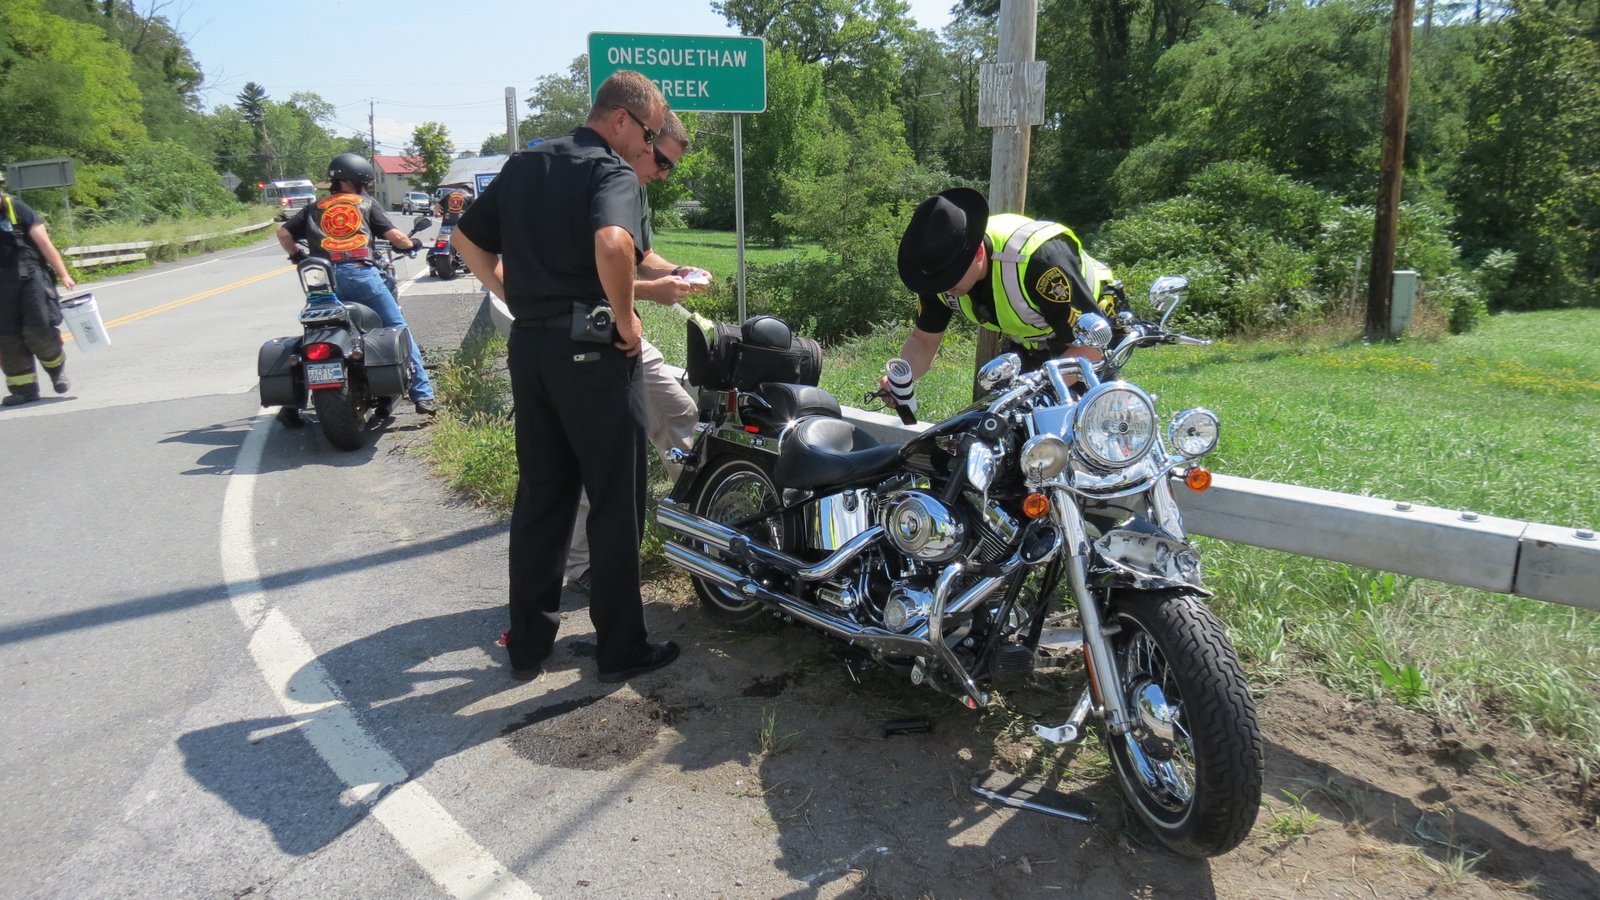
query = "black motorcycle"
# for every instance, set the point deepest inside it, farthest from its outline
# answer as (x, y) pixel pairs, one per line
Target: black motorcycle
(349, 362)
(1034, 533)
(443, 260)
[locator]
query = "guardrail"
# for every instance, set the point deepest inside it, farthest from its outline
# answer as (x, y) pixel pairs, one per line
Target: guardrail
(1524, 559)
(106, 254)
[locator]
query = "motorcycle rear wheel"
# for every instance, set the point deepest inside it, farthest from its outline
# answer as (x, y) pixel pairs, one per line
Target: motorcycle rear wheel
(341, 416)
(733, 490)
(1199, 788)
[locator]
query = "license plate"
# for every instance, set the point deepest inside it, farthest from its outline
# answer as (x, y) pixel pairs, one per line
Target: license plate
(324, 374)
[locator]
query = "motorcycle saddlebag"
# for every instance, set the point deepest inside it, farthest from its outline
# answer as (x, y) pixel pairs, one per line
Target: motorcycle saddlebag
(277, 375)
(723, 356)
(388, 361)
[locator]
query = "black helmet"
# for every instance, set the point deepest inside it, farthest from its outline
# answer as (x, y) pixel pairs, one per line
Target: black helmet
(350, 167)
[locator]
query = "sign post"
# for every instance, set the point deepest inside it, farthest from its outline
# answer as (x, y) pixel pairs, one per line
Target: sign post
(696, 73)
(512, 141)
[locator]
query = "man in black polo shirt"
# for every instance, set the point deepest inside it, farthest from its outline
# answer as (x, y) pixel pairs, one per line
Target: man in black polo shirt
(563, 217)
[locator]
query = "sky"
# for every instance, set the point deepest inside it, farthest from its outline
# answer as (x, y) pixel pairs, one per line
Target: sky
(446, 61)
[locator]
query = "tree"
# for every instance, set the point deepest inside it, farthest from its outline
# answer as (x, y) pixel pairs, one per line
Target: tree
(430, 142)
(66, 90)
(559, 103)
(1529, 181)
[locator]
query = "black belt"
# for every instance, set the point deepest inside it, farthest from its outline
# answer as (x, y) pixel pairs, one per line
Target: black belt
(562, 321)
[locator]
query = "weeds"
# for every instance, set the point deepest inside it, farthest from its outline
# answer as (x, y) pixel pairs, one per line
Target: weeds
(1292, 824)
(773, 741)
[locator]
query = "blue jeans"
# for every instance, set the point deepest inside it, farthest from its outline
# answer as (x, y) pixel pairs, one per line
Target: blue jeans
(357, 283)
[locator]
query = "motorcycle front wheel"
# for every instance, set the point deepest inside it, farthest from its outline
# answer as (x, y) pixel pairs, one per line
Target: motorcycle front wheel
(732, 491)
(1191, 767)
(340, 414)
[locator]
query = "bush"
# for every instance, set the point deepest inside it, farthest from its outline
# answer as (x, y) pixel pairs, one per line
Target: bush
(166, 180)
(838, 294)
(1262, 250)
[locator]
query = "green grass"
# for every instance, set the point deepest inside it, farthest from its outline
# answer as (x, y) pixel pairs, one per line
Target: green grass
(1501, 421)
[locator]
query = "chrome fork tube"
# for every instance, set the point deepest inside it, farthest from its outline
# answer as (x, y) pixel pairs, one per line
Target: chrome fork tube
(941, 595)
(1095, 641)
(1165, 508)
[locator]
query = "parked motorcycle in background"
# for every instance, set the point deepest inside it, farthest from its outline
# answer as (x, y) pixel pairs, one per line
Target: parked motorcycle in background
(1032, 533)
(346, 359)
(443, 260)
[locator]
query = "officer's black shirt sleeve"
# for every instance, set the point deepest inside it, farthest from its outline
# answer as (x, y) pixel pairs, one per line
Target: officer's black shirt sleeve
(933, 316)
(540, 214)
(1054, 280)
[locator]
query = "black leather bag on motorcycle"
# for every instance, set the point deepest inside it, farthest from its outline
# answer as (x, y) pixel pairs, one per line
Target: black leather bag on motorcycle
(722, 356)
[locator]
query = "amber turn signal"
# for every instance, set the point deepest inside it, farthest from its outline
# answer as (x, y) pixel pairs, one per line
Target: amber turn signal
(1198, 479)
(1036, 506)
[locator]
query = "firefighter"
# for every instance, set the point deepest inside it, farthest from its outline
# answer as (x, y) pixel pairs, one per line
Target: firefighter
(29, 314)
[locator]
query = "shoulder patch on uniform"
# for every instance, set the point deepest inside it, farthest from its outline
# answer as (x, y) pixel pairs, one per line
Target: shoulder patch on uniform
(1054, 286)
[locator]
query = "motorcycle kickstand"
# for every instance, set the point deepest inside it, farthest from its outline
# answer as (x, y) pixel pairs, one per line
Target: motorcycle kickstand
(1011, 790)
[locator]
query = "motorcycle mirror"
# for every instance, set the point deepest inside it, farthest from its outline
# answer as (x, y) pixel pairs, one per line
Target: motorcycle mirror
(421, 223)
(1166, 293)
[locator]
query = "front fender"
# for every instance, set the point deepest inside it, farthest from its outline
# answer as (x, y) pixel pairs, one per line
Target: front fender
(1146, 556)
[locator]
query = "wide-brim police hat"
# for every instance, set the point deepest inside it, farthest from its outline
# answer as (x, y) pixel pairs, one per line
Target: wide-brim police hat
(939, 244)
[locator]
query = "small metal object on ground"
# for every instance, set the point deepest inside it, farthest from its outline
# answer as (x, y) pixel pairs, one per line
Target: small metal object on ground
(906, 726)
(1033, 796)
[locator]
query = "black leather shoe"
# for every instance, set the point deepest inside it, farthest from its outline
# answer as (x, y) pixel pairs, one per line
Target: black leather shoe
(289, 417)
(529, 673)
(426, 406)
(656, 655)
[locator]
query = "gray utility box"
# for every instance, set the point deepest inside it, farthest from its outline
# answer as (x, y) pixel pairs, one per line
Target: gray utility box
(1404, 302)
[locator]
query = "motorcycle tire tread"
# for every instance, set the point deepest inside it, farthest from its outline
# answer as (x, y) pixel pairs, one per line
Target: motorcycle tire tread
(340, 415)
(759, 617)
(1229, 771)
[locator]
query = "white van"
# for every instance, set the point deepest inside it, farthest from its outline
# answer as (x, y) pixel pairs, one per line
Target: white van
(290, 195)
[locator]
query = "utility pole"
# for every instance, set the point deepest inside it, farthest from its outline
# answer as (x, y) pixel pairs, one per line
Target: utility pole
(1386, 222)
(1010, 100)
(372, 131)
(513, 142)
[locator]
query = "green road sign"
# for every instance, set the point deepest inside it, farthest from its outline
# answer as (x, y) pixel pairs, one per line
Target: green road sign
(696, 73)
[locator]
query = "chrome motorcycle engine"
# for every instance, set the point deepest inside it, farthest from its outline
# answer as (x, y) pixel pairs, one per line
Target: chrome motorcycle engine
(923, 528)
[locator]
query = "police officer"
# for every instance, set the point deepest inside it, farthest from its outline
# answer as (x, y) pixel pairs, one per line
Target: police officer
(340, 228)
(1028, 279)
(670, 412)
(29, 314)
(563, 217)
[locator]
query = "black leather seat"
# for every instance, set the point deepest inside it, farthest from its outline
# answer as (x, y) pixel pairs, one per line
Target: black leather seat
(364, 317)
(820, 451)
(789, 403)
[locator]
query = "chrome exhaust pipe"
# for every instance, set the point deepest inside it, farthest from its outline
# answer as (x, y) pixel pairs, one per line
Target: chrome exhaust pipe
(683, 523)
(701, 566)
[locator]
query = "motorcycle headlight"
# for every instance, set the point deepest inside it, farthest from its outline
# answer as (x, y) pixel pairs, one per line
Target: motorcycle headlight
(1193, 432)
(1115, 425)
(1044, 457)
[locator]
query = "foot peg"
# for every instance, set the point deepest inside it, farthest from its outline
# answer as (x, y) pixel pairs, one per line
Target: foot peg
(1011, 790)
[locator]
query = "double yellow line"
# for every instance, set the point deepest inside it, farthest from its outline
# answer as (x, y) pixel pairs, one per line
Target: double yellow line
(192, 298)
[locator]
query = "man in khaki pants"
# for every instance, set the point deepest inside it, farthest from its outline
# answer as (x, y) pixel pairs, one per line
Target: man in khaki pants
(671, 412)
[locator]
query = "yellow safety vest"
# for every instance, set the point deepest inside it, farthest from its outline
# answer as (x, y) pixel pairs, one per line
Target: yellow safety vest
(1015, 239)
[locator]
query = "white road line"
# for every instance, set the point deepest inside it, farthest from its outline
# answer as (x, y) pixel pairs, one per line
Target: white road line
(423, 828)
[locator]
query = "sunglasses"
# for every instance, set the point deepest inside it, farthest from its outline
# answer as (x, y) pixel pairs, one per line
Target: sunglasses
(649, 133)
(663, 163)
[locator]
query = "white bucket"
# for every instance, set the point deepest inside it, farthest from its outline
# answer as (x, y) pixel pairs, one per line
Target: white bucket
(83, 317)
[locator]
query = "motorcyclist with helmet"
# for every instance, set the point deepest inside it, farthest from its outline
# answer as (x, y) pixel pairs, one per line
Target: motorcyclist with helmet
(341, 228)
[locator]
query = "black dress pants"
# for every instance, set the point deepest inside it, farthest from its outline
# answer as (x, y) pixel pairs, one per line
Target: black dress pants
(580, 424)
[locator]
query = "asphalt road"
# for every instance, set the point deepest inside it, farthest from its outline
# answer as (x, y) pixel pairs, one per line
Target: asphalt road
(235, 661)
